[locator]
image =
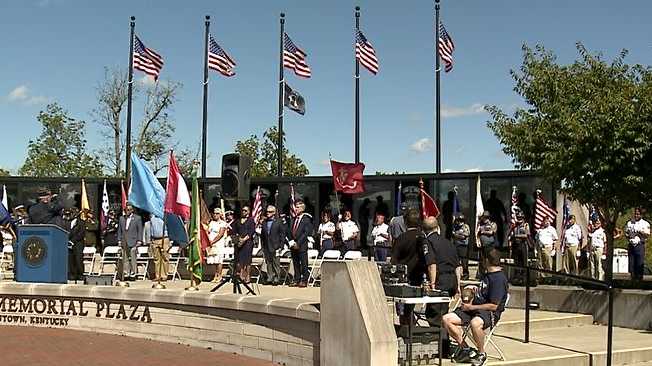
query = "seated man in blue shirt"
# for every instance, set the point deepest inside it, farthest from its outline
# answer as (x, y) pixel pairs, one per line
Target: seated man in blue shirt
(482, 312)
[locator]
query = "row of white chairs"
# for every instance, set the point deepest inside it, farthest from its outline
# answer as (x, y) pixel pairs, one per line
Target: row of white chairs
(330, 255)
(112, 256)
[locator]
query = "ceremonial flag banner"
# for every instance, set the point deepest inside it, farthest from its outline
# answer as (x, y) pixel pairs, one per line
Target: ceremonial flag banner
(195, 256)
(146, 59)
(123, 196)
(176, 229)
(542, 210)
(293, 100)
(428, 204)
(293, 210)
(145, 191)
(565, 218)
(84, 197)
(514, 206)
(399, 198)
(5, 199)
(294, 58)
(219, 60)
(177, 198)
(479, 208)
(348, 177)
(104, 212)
(456, 204)
(258, 206)
(446, 48)
(204, 219)
(365, 53)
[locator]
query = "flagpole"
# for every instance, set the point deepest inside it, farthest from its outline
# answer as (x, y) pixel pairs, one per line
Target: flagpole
(437, 91)
(205, 111)
(130, 83)
(281, 87)
(357, 93)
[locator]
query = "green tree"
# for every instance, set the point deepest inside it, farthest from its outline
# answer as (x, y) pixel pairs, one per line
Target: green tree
(60, 150)
(4, 173)
(586, 125)
(263, 155)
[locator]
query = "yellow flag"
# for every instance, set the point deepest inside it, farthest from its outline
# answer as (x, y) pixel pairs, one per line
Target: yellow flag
(84, 198)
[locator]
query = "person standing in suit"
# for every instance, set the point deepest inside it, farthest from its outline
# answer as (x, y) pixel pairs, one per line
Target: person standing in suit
(245, 229)
(301, 228)
(130, 236)
(273, 237)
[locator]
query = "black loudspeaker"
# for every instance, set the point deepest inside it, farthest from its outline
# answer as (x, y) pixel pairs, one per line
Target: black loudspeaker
(235, 176)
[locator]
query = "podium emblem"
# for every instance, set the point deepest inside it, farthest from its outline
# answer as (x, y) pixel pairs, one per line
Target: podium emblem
(34, 251)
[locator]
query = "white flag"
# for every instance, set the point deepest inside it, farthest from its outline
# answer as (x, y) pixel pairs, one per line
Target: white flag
(5, 201)
(105, 201)
(479, 209)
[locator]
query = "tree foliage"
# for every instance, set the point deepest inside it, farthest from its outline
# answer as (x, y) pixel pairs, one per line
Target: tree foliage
(263, 155)
(60, 150)
(4, 173)
(587, 124)
(152, 136)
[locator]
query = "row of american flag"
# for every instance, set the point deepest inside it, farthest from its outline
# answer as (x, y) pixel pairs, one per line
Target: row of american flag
(151, 62)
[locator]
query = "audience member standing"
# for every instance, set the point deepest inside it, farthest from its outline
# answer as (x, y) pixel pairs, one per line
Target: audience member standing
(217, 233)
(546, 240)
(350, 231)
(397, 224)
(156, 237)
(380, 235)
(272, 239)
(130, 236)
(572, 240)
(461, 233)
(246, 228)
(597, 239)
(520, 242)
(487, 234)
(444, 268)
(326, 231)
(498, 215)
(301, 229)
(637, 231)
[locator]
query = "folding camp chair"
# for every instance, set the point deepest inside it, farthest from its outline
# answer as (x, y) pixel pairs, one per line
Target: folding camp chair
(175, 258)
(352, 255)
(88, 256)
(142, 260)
(112, 255)
(330, 255)
(489, 332)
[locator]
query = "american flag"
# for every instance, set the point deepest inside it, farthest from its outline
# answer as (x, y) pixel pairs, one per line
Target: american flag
(593, 217)
(258, 206)
(542, 210)
(446, 47)
(104, 212)
(294, 58)
(146, 59)
(365, 53)
(218, 60)
(293, 211)
(514, 206)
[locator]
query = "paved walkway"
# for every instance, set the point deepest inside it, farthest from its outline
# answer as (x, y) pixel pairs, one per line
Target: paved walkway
(53, 347)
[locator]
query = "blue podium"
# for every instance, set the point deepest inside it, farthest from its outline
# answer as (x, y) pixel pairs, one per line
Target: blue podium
(41, 254)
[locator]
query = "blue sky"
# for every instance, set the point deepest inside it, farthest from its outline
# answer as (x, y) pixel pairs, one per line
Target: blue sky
(56, 50)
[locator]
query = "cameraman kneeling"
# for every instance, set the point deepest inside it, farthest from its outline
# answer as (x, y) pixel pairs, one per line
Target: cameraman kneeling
(482, 312)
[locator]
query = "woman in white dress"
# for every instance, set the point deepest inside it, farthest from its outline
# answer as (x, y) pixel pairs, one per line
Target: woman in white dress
(217, 236)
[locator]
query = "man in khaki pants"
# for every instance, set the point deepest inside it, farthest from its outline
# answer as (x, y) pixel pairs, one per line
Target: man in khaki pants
(572, 240)
(547, 241)
(159, 245)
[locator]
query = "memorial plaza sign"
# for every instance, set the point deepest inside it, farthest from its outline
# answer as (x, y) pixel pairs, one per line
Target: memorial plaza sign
(57, 311)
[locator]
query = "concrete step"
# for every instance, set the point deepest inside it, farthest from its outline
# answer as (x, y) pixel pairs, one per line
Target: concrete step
(513, 320)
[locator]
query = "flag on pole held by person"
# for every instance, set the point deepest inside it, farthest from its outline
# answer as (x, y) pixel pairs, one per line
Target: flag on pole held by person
(123, 196)
(293, 211)
(85, 206)
(195, 255)
(456, 204)
(542, 210)
(348, 177)
(177, 198)
(446, 47)
(5, 199)
(104, 212)
(564, 223)
(146, 59)
(365, 53)
(257, 209)
(428, 205)
(293, 100)
(145, 191)
(219, 60)
(294, 58)
(5, 216)
(514, 207)
(479, 208)
(399, 198)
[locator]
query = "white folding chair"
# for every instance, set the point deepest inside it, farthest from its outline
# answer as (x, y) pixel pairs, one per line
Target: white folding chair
(6, 260)
(489, 332)
(175, 257)
(88, 256)
(353, 255)
(142, 259)
(330, 255)
(112, 255)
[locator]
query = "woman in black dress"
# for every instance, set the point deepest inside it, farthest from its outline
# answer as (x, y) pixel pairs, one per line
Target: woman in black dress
(245, 229)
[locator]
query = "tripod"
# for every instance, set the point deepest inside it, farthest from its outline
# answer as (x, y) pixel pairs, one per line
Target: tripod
(234, 277)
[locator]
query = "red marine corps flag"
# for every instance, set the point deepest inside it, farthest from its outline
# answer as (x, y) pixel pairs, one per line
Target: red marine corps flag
(348, 177)
(428, 204)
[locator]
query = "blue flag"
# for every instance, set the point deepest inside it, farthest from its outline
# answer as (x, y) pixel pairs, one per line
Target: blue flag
(5, 216)
(176, 230)
(145, 191)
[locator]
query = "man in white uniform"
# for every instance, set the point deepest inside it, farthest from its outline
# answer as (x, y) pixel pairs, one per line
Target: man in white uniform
(546, 239)
(380, 234)
(597, 238)
(572, 240)
(637, 231)
(349, 231)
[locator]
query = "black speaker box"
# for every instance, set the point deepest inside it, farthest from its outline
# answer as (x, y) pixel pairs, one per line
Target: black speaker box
(235, 176)
(99, 280)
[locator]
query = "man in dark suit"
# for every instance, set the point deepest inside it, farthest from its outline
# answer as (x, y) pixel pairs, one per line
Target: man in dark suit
(273, 238)
(47, 210)
(300, 230)
(130, 236)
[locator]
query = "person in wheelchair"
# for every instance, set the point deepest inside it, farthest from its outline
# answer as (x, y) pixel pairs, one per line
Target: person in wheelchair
(482, 311)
